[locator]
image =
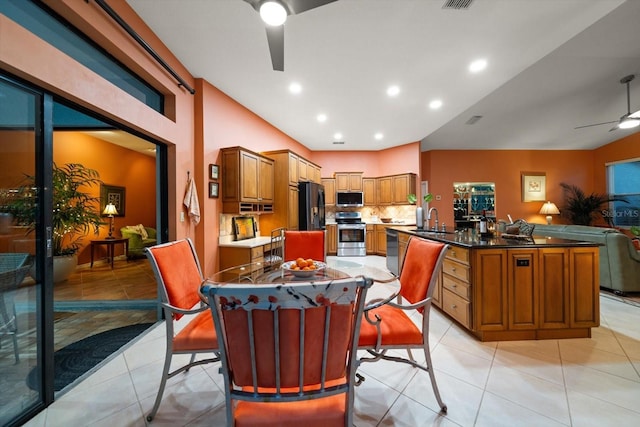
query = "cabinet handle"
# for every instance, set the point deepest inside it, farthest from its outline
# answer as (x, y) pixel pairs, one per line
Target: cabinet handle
(453, 306)
(454, 286)
(453, 269)
(453, 253)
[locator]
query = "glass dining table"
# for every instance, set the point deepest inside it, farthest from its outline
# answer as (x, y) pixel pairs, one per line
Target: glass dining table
(257, 273)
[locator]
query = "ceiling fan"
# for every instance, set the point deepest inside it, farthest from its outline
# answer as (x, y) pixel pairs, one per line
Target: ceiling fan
(629, 120)
(274, 13)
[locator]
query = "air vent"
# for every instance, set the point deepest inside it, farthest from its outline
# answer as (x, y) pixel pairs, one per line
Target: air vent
(473, 120)
(338, 142)
(457, 4)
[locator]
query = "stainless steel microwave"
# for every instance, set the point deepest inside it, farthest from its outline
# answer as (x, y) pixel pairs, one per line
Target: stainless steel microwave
(346, 199)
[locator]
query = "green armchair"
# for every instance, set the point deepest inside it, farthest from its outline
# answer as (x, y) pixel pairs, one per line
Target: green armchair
(138, 240)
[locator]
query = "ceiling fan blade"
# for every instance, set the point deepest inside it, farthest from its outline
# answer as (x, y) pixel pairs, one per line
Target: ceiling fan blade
(596, 124)
(275, 37)
(299, 6)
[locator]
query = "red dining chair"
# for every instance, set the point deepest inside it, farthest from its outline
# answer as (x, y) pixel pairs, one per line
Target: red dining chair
(288, 351)
(179, 277)
(388, 324)
(304, 244)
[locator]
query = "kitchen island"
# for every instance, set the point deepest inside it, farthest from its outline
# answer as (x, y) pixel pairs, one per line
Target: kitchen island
(514, 288)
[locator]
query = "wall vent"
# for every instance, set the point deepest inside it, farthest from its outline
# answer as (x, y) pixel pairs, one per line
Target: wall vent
(457, 4)
(473, 120)
(338, 142)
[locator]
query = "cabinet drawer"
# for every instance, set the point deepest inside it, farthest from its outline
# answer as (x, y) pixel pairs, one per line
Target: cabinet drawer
(459, 254)
(257, 252)
(457, 286)
(456, 307)
(456, 269)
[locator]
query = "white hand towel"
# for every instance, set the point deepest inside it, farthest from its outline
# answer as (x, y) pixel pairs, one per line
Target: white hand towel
(191, 202)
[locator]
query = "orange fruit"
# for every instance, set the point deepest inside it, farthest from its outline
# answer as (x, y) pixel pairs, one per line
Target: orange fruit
(301, 262)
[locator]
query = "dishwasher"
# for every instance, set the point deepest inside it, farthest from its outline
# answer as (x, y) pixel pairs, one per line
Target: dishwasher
(392, 251)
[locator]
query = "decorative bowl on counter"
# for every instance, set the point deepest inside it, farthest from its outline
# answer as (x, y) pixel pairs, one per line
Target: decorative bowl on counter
(308, 268)
(386, 220)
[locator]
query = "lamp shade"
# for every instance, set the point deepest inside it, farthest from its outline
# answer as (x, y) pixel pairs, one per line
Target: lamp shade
(549, 209)
(110, 209)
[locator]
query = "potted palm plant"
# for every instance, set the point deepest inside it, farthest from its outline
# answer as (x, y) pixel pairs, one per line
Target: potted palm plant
(75, 213)
(583, 209)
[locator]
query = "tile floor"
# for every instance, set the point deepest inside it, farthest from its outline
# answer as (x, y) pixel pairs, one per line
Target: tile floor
(573, 382)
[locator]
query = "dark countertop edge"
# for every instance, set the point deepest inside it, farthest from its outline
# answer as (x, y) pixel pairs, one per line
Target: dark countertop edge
(475, 242)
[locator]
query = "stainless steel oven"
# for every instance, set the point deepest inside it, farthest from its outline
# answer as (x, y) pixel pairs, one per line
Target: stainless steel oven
(351, 234)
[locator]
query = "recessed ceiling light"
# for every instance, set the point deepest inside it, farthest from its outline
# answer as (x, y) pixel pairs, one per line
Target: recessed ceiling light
(478, 65)
(322, 118)
(435, 104)
(295, 88)
(393, 90)
(337, 136)
(378, 136)
(273, 13)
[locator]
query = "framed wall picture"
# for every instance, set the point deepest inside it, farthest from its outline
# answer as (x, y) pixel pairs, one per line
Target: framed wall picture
(213, 190)
(534, 187)
(113, 194)
(214, 171)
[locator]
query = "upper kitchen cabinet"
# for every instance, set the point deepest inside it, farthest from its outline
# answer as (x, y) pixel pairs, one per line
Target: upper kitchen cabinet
(247, 181)
(403, 185)
(348, 181)
(329, 190)
(369, 189)
(394, 189)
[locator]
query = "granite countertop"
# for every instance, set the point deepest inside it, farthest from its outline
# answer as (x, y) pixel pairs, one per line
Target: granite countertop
(475, 241)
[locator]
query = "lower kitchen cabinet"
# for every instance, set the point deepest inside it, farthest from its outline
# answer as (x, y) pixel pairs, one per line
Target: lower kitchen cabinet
(332, 239)
(370, 239)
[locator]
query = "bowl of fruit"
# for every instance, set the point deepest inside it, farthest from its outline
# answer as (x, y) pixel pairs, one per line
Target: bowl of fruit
(302, 267)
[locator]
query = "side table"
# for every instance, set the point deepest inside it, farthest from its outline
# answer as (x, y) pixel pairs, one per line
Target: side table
(110, 243)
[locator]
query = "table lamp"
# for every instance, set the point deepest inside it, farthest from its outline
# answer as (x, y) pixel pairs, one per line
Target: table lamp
(110, 210)
(549, 209)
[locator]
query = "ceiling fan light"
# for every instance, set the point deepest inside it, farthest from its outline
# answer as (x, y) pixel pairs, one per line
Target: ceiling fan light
(629, 123)
(273, 13)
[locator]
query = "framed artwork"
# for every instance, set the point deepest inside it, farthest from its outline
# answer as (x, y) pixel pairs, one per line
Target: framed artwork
(213, 171)
(213, 190)
(112, 194)
(534, 187)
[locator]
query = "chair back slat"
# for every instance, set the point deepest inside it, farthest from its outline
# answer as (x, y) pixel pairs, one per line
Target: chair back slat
(304, 244)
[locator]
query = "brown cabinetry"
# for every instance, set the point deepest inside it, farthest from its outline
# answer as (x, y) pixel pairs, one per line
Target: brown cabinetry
(520, 293)
(370, 239)
(394, 189)
(329, 190)
(369, 189)
(332, 239)
(234, 256)
(456, 285)
(403, 241)
(247, 181)
(381, 239)
(348, 181)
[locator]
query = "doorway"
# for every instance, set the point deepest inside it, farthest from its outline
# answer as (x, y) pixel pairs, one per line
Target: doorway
(38, 135)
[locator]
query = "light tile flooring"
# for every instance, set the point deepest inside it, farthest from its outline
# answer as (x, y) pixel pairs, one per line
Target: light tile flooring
(573, 382)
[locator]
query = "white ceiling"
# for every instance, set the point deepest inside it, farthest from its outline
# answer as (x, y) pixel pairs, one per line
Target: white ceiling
(552, 65)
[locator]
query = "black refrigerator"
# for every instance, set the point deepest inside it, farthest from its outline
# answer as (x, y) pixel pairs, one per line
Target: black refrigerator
(310, 206)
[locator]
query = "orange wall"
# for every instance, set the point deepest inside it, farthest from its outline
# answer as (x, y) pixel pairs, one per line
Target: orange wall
(395, 160)
(444, 167)
(116, 166)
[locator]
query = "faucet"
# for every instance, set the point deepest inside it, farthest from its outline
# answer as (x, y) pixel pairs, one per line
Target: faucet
(429, 217)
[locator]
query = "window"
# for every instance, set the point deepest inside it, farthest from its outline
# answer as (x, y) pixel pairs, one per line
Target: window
(623, 179)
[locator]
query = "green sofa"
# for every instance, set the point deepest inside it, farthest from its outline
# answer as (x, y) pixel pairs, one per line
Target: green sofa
(619, 259)
(137, 242)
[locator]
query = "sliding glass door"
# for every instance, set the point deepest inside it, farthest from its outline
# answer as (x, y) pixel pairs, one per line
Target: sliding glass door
(25, 307)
